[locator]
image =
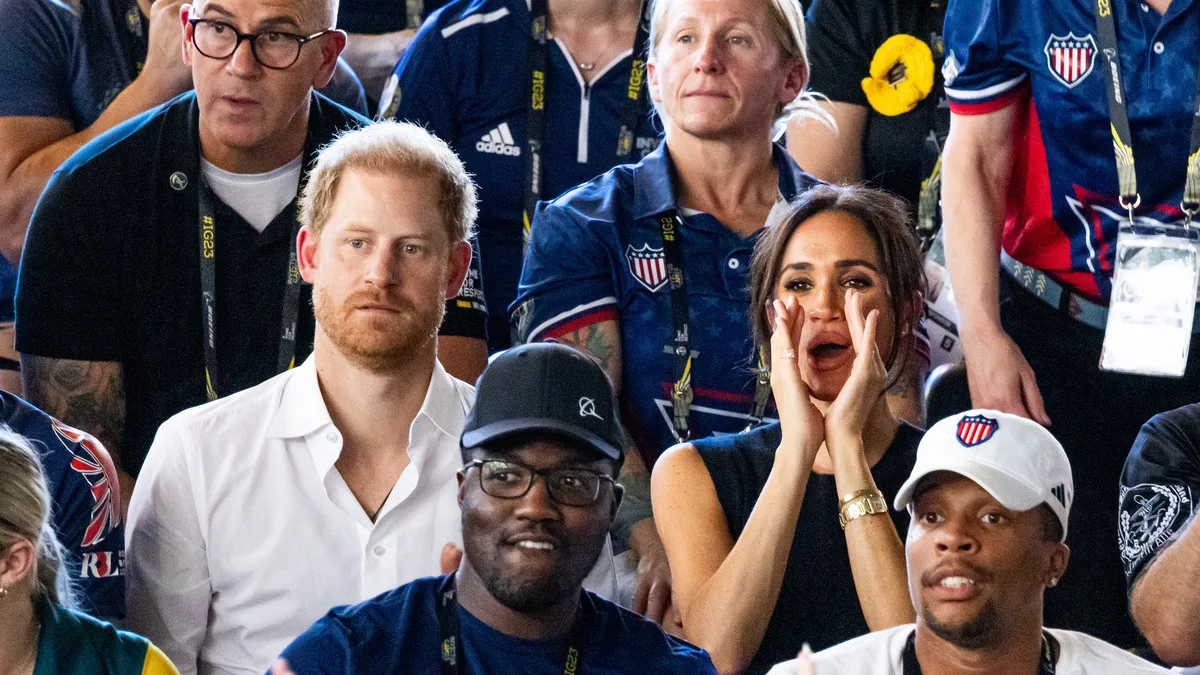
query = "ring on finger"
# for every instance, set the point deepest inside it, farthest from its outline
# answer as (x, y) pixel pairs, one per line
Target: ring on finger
(788, 354)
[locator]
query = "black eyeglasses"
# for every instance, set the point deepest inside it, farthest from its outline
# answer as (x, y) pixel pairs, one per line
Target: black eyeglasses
(273, 49)
(511, 480)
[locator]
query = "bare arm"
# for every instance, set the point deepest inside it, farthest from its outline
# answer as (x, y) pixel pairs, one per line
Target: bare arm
(1169, 618)
(833, 155)
(725, 590)
(87, 395)
(31, 148)
(977, 164)
(463, 357)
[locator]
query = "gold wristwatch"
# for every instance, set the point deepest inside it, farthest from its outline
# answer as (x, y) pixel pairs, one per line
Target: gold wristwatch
(861, 503)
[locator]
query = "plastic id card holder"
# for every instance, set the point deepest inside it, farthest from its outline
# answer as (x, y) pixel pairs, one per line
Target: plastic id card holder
(1153, 300)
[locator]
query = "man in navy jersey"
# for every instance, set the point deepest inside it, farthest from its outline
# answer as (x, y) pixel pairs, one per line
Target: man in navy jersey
(1032, 206)
(467, 78)
(87, 505)
(542, 448)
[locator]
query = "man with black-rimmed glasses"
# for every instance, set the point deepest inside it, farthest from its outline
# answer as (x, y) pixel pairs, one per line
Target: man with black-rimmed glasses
(542, 448)
(160, 270)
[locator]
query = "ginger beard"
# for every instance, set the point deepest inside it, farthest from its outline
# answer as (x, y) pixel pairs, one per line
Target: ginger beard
(377, 340)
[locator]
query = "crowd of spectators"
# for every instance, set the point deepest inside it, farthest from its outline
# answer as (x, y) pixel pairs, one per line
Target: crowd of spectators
(570, 336)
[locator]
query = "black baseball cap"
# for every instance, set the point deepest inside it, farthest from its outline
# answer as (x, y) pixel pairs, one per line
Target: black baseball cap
(550, 387)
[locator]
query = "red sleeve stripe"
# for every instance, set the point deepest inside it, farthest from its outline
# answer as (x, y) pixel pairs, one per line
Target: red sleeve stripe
(1000, 102)
(573, 319)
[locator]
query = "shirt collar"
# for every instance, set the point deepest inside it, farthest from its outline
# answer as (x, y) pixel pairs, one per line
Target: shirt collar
(302, 410)
(654, 177)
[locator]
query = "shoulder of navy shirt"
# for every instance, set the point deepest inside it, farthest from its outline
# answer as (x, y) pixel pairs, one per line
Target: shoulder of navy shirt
(400, 627)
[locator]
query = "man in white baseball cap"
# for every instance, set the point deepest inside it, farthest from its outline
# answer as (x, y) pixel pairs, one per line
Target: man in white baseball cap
(990, 497)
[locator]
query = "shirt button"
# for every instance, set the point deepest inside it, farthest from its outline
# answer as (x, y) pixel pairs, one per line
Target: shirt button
(332, 437)
(379, 551)
(734, 263)
(1159, 47)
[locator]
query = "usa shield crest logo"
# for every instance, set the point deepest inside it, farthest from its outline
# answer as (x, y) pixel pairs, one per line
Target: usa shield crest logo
(976, 429)
(1070, 58)
(647, 265)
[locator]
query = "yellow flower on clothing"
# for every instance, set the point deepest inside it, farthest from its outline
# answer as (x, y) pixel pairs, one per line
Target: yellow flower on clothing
(901, 75)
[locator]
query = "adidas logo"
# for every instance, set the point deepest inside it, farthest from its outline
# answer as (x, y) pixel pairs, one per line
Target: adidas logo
(499, 141)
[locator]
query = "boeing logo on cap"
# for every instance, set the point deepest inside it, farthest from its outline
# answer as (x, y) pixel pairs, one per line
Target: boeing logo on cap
(975, 430)
(587, 408)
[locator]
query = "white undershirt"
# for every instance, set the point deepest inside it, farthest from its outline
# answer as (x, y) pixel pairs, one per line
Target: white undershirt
(257, 197)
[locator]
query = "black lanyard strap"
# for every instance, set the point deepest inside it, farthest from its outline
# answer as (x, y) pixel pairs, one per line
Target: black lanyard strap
(1046, 665)
(451, 643)
(208, 292)
(539, 58)
(671, 227)
(1118, 114)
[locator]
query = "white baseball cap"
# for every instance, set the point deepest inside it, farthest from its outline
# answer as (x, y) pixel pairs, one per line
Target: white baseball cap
(1016, 460)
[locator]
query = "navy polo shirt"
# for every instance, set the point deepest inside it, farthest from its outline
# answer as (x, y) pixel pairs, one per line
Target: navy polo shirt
(596, 253)
(1062, 214)
(466, 78)
(86, 511)
(399, 631)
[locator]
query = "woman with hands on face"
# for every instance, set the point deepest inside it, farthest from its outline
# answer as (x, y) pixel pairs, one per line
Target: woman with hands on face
(753, 523)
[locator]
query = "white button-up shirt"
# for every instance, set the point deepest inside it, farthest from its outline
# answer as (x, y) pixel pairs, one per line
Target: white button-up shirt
(242, 532)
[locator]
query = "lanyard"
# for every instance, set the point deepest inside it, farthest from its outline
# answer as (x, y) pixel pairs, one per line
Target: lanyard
(928, 224)
(451, 644)
(539, 57)
(671, 227)
(1118, 115)
(1046, 665)
(208, 293)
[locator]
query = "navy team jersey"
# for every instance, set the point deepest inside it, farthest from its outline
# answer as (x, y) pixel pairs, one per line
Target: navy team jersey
(596, 253)
(399, 631)
(86, 505)
(1159, 487)
(465, 77)
(1062, 212)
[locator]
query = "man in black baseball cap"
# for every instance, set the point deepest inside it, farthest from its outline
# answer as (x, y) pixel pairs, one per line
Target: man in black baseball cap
(542, 448)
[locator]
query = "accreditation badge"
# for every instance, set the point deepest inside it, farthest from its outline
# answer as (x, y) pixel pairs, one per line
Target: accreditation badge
(1153, 300)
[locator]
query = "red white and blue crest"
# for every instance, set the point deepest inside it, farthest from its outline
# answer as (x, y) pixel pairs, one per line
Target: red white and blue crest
(1070, 58)
(91, 461)
(648, 266)
(976, 429)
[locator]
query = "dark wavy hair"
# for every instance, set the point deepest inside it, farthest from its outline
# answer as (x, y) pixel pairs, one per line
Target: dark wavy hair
(885, 220)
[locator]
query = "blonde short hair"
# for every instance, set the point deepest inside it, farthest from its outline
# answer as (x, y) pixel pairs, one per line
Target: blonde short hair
(390, 147)
(787, 24)
(25, 516)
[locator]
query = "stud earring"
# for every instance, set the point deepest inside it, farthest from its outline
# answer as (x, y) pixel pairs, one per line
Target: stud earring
(3, 592)
(1053, 582)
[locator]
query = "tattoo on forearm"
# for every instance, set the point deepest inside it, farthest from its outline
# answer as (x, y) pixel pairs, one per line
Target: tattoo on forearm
(599, 340)
(84, 394)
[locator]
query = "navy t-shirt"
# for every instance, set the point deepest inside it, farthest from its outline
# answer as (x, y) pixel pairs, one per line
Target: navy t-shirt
(87, 505)
(1158, 487)
(399, 631)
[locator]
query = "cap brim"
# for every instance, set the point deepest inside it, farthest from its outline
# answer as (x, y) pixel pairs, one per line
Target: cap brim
(1014, 493)
(498, 430)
